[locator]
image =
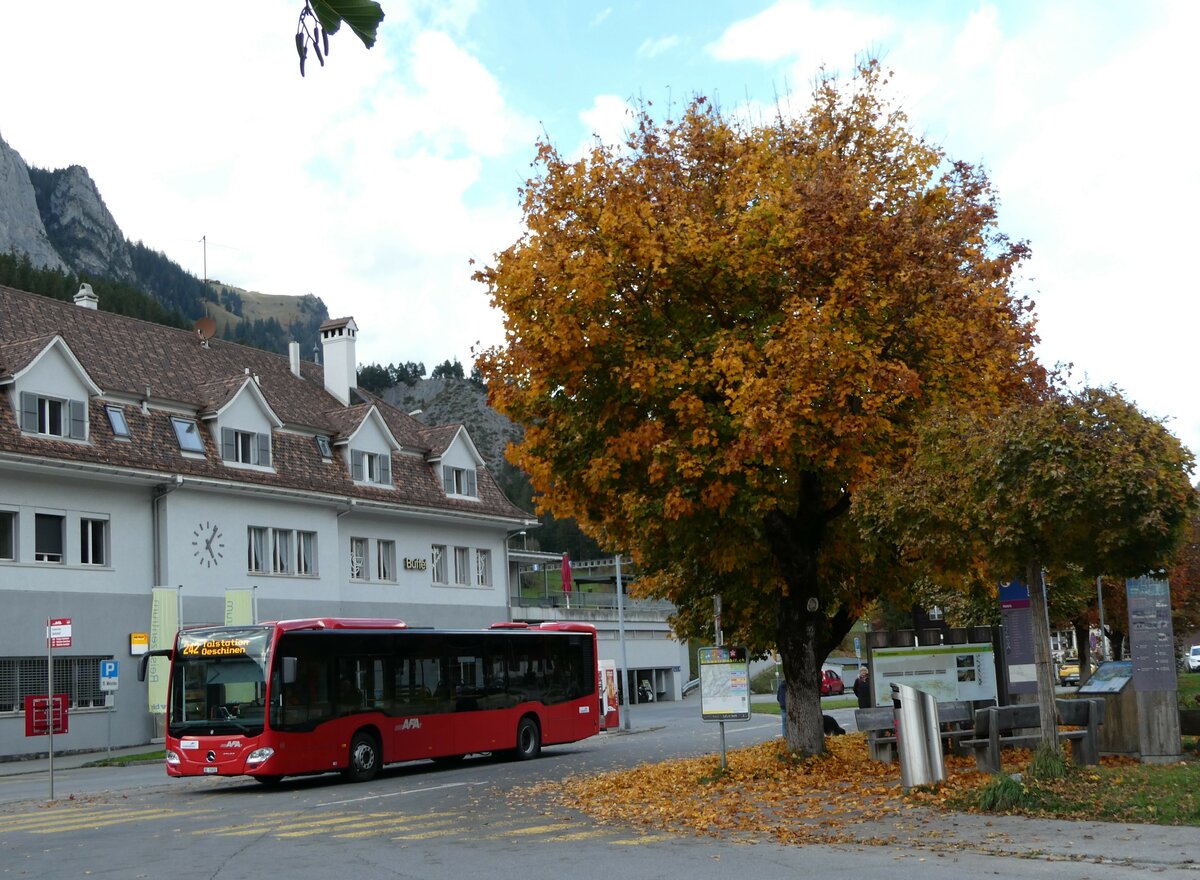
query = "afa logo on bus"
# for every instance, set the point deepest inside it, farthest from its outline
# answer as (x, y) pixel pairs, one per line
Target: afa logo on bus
(410, 724)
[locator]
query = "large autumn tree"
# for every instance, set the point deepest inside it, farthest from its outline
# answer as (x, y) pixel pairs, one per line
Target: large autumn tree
(1078, 484)
(717, 332)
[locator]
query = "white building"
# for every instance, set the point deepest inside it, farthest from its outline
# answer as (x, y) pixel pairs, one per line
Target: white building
(135, 456)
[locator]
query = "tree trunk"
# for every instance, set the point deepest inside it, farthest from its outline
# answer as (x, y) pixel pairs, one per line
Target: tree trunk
(1043, 661)
(1083, 639)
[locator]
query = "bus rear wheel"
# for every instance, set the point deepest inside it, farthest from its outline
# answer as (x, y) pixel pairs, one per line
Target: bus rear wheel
(529, 740)
(364, 758)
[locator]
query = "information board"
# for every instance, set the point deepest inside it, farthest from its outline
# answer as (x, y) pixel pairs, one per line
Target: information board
(1151, 636)
(724, 683)
(949, 672)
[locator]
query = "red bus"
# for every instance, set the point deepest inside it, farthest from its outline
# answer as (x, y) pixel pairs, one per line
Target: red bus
(310, 696)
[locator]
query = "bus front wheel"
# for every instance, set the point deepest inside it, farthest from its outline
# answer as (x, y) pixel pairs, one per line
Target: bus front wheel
(529, 740)
(364, 758)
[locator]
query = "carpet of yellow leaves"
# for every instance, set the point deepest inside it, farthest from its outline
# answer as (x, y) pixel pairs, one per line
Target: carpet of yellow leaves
(840, 796)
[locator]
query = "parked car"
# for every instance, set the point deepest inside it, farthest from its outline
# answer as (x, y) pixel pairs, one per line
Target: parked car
(1192, 660)
(1068, 672)
(831, 683)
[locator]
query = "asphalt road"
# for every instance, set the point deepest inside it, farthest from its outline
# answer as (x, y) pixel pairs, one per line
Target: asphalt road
(421, 821)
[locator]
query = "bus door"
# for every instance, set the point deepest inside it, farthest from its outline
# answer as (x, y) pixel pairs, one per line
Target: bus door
(422, 703)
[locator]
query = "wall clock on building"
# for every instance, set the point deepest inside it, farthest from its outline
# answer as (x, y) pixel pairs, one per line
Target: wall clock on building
(209, 550)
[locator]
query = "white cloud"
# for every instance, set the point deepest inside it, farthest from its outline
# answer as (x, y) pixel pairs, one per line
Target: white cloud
(814, 36)
(654, 48)
(609, 120)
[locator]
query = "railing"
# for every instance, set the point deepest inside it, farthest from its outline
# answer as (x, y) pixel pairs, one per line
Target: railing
(601, 599)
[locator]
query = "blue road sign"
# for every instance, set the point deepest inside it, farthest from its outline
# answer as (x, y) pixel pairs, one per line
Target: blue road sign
(108, 668)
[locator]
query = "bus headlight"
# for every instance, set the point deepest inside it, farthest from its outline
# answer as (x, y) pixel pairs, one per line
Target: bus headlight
(258, 756)
(172, 758)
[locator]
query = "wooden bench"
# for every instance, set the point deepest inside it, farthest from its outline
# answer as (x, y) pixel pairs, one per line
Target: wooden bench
(956, 720)
(1019, 727)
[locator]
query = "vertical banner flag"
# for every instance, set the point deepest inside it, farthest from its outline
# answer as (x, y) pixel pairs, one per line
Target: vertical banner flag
(164, 623)
(239, 607)
(566, 574)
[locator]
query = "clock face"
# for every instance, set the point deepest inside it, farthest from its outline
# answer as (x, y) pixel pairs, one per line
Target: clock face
(206, 544)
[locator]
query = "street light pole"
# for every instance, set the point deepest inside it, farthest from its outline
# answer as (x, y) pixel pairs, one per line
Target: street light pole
(621, 636)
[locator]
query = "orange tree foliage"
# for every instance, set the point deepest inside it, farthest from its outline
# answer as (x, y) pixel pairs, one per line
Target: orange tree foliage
(1079, 484)
(718, 332)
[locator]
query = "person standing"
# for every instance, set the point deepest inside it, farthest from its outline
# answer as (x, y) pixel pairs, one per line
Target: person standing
(862, 690)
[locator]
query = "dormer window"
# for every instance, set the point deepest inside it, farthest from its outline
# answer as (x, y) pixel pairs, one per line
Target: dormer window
(371, 467)
(187, 432)
(116, 420)
(245, 447)
(53, 417)
(458, 481)
(323, 446)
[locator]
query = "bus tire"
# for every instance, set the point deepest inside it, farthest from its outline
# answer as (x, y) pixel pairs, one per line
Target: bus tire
(270, 781)
(364, 758)
(529, 740)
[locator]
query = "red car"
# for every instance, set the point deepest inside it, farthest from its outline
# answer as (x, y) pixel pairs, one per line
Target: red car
(831, 683)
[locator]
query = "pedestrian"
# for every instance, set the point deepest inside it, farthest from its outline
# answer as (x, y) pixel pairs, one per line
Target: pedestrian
(861, 689)
(781, 696)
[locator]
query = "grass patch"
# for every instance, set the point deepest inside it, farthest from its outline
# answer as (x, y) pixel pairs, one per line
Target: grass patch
(1048, 763)
(1120, 790)
(1189, 690)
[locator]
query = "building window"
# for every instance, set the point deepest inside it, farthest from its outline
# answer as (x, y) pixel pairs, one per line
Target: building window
(483, 568)
(458, 481)
(187, 432)
(48, 537)
(117, 421)
(8, 535)
(77, 677)
(385, 555)
(462, 566)
(370, 467)
(93, 541)
(359, 571)
(439, 564)
(281, 551)
(256, 550)
(53, 417)
(306, 553)
(245, 447)
(323, 446)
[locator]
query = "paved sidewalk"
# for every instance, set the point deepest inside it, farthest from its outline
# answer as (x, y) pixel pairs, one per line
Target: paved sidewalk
(72, 761)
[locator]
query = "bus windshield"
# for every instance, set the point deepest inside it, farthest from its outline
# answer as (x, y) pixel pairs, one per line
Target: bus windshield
(218, 681)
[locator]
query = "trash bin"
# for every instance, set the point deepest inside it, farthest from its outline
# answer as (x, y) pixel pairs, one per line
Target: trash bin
(918, 737)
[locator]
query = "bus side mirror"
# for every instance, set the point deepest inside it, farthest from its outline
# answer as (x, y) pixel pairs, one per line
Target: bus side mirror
(145, 660)
(288, 667)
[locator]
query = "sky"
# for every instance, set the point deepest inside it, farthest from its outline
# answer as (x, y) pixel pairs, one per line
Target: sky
(374, 181)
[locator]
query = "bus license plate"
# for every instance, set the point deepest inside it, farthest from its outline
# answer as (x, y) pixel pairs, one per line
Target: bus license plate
(210, 769)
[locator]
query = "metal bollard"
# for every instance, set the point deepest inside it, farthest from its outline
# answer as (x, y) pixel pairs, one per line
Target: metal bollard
(918, 737)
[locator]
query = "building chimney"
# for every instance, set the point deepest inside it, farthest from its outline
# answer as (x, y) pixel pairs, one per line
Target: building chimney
(294, 357)
(341, 366)
(86, 298)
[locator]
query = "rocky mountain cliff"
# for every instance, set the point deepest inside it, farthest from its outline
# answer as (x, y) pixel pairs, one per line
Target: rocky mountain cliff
(58, 220)
(459, 401)
(21, 228)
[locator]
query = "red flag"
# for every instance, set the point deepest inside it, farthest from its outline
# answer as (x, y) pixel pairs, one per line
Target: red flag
(566, 574)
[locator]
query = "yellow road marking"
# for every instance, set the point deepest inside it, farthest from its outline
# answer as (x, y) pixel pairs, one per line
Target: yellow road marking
(579, 835)
(649, 838)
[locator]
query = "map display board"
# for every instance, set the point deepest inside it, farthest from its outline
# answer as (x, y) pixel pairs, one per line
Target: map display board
(724, 683)
(949, 672)
(1109, 678)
